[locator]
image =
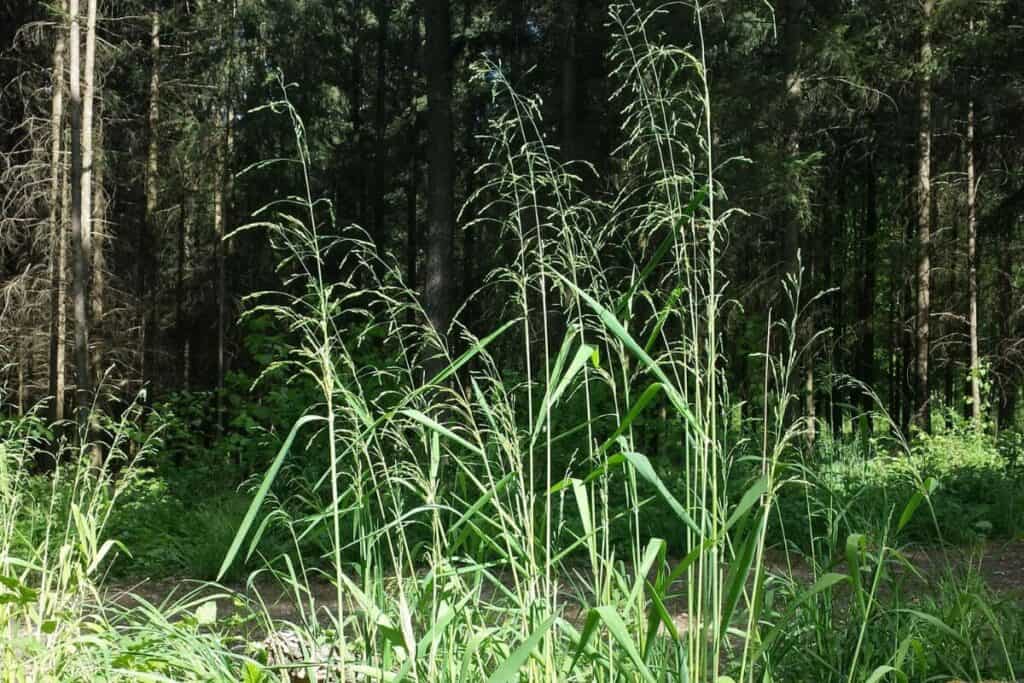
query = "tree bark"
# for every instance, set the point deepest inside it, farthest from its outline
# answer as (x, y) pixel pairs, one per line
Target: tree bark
(99, 255)
(58, 242)
(440, 160)
(220, 247)
(869, 250)
(1009, 389)
(356, 114)
(179, 292)
(413, 145)
(147, 266)
(88, 157)
(383, 12)
(570, 91)
(80, 221)
(793, 84)
(922, 412)
(972, 268)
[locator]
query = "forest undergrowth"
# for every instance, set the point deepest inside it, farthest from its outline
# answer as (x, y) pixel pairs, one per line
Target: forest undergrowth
(572, 495)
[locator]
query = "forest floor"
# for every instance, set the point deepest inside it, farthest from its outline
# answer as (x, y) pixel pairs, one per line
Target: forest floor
(1001, 563)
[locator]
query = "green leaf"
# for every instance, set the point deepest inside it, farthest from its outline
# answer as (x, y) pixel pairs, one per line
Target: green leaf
(935, 622)
(826, 582)
(583, 354)
(855, 547)
(434, 425)
(641, 402)
(739, 569)
(658, 613)
(670, 239)
(509, 669)
(927, 489)
(643, 467)
(609, 320)
(756, 490)
(618, 630)
(883, 671)
(261, 493)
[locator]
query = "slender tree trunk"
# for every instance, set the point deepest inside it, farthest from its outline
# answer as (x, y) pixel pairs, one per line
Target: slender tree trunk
(824, 409)
(88, 160)
(570, 111)
(908, 381)
(222, 190)
(469, 236)
(922, 413)
(837, 234)
(179, 291)
(58, 249)
(894, 339)
(412, 246)
(79, 228)
(147, 267)
(793, 83)
(1007, 299)
(356, 113)
(869, 250)
(220, 248)
(99, 255)
(383, 12)
(972, 267)
(440, 159)
(413, 145)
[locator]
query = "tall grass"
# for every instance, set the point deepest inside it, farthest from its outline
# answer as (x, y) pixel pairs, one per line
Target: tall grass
(486, 500)
(52, 546)
(481, 499)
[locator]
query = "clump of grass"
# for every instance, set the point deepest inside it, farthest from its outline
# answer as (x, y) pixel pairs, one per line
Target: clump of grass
(53, 551)
(468, 494)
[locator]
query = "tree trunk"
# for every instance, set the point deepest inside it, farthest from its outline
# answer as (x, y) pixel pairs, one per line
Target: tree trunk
(837, 235)
(570, 91)
(894, 338)
(440, 160)
(793, 83)
(80, 222)
(908, 380)
(413, 145)
(220, 247)
(356, 113)
(922, 413)
(1007, 299)
(99, 255)
(181, 333)
(869, 249)
(380, 125)
(58, 250)
(147, 266)
(972, 268)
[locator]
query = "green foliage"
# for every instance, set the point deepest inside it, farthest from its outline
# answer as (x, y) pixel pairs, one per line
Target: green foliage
(979, 494)
(570, 497)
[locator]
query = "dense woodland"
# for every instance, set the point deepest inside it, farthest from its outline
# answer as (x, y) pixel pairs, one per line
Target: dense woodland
(881, 140)
(503, 305)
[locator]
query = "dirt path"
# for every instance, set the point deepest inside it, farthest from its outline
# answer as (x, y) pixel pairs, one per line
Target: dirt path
(1000, 563)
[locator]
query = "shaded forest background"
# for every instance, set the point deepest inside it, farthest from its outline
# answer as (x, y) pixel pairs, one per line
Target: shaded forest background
(881, 140)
